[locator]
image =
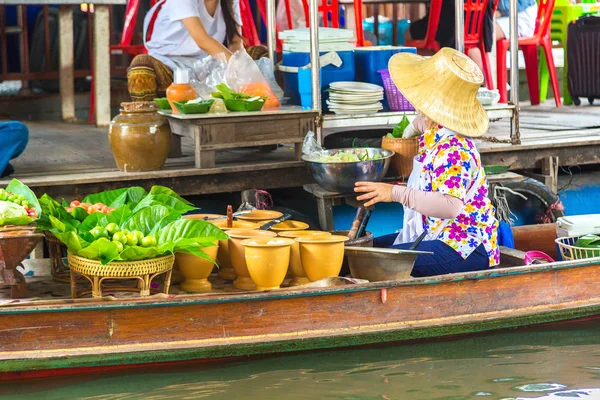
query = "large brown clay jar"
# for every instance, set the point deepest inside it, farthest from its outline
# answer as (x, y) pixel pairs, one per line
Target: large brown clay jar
(139, 137)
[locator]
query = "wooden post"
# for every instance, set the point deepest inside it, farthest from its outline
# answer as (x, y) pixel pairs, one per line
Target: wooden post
(550, 172)
(67, 83)
(102, 64)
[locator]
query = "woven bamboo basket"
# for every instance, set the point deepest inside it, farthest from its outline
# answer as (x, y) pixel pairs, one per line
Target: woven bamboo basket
(57, 250)
(142, 270)
(568, 250)
(406, 150)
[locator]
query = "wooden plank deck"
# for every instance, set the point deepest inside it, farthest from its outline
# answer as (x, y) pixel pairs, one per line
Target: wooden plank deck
(66, 159)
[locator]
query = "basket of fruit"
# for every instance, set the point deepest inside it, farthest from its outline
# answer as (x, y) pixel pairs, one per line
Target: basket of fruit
(136, 238)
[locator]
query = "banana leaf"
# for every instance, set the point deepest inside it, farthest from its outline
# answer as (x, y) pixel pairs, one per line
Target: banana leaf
(17, 187)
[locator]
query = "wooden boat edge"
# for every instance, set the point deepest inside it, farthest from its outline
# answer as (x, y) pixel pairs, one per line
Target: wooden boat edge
(139, 355)
(193, 299)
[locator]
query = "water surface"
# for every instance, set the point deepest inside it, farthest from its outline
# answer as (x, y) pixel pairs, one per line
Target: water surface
(545, 363)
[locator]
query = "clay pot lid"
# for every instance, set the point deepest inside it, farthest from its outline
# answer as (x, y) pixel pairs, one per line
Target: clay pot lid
(139, 106)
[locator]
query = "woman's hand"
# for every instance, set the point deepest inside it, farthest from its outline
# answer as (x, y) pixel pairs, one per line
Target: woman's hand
(374, 192)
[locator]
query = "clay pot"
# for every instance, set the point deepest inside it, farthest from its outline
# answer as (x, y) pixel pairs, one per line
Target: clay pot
(196, 270)
(238, 258)
(288, 225)
(406, 150)
(267, 260)
(226, 270)
(296, 269)
(260, 215)
(322, 257)
(139, 137)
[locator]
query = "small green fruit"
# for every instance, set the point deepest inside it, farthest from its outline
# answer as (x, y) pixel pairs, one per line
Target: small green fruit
(132, 240)
(120, 246)
(112, 228)
(119, 237)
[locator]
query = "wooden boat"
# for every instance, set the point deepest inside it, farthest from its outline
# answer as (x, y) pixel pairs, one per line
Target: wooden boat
(79, 336)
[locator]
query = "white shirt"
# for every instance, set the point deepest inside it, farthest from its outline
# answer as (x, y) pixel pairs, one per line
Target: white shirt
(170, 38)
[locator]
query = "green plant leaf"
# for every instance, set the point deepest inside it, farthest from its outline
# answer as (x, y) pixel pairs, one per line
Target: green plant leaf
(79, 214)
(118, 197)
(134, 253)
(88, 224)
(17, 187)
(154, 190)
(119, 216)
(51, 207)
(101, 249)
(150, 220)
(173, 203)
(399, 129)
(202, 231)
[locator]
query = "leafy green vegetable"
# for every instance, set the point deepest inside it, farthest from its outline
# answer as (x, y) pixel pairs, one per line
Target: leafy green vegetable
(118, 197)
(15, 186)
(399, 129)
(589, 242)
(13, 214)
(150, 220)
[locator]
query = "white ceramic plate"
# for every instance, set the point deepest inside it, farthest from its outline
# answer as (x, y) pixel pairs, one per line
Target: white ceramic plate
(355, 86)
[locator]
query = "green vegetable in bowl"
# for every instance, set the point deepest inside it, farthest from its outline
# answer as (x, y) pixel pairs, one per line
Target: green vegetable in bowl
(194, 106)
(235, 101)
(589, 242)
(399, 129)
(163, 103)
(342, 156)
(13, 214)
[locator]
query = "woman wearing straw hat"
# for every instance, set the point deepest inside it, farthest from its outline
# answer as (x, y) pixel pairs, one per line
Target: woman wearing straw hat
(447, 191)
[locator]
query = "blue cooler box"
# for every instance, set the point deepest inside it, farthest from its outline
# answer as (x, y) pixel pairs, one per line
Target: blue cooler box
(292, 81)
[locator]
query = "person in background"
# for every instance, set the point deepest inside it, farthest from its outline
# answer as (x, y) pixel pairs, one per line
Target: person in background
(445, 32)
(447, 192)
(14, 136)
(179, 32)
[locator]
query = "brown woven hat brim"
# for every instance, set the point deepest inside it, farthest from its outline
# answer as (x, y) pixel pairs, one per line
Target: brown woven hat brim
(442, 90)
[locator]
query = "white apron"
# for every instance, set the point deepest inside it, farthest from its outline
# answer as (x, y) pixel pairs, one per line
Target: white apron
(412, 226)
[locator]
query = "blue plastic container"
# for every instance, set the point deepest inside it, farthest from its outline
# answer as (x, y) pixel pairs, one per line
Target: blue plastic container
(386, 31)
(293, 81)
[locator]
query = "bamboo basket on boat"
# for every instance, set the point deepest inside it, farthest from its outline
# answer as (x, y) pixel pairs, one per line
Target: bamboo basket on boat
(568, 250)
(56, 249)
(143, 270)
(406, 150)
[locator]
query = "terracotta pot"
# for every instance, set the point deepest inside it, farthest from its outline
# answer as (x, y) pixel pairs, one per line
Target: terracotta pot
(238, 258)
(139, 137)
(296, 269)
(196, 270)
(322, 257)
(267, 260)
(226, 270)
(406, 150)
(288, 225)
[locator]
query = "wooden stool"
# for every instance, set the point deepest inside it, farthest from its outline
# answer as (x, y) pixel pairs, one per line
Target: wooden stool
(325, 202)
(16, 242)
(144, 271)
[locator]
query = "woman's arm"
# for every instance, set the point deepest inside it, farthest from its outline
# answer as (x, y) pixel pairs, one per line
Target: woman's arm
(196, 30)
(430, 204)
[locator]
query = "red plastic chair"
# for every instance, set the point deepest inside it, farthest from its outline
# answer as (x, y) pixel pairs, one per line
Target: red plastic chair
(429, 42)
(474, 18)
(529, 46)
(124, 47)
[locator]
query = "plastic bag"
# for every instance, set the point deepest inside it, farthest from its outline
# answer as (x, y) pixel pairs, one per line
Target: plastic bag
(208, 73)
(311, 148)
(244, 76)
(266, 68)
(297, 13)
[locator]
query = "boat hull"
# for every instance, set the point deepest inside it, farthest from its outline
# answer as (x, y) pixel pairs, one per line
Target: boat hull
(183, 328)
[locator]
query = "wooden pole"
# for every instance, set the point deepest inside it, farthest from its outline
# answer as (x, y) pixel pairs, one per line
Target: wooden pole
(102, 64)
(67, 83)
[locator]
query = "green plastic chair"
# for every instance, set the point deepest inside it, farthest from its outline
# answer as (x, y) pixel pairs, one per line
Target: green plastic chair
(564, 14)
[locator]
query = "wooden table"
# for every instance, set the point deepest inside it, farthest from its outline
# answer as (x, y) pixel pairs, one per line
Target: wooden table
(212, 132)
(101, 65)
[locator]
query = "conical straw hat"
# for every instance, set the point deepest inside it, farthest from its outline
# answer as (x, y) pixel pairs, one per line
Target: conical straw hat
(443, 88)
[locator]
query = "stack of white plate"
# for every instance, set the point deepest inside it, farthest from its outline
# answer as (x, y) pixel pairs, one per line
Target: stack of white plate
(354, 98)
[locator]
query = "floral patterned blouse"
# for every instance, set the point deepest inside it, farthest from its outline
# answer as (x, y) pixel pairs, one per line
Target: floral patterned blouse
(454, 166)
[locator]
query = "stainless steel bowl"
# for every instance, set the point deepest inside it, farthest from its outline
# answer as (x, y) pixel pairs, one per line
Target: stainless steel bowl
(341, 176)
(376, 265)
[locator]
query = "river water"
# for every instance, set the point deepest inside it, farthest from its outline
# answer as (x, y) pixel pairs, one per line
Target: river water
(544, 363)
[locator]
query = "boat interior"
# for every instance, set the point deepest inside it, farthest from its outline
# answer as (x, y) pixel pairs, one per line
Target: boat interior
(43, 290)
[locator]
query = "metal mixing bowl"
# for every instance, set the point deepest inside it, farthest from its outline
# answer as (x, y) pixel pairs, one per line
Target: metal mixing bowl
(341, 176)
